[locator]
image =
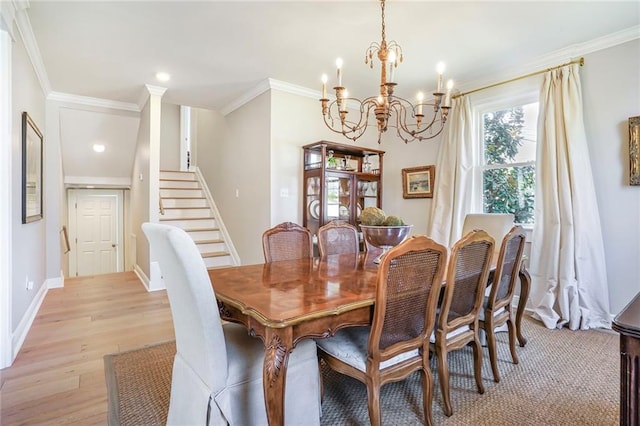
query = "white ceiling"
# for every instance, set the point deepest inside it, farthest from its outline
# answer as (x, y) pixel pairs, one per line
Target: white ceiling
(80, 130)
(218, 51)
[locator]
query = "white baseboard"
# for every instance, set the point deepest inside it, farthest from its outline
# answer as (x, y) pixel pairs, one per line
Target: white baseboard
(155, 283)
(18, 336)
(57, 282)
(141, 276)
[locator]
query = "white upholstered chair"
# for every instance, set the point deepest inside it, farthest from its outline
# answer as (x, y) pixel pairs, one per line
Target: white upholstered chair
(217, 370)
(497, 225)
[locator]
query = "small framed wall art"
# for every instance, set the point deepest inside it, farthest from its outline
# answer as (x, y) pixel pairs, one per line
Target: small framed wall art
(634, 150)
(32, 141)
(417, 182)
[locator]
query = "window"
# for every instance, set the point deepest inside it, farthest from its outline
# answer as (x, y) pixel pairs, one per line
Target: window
(508, 159)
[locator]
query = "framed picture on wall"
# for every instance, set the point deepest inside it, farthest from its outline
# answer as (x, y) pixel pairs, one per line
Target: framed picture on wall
(417, 182)
(32, 141)
(634, 150)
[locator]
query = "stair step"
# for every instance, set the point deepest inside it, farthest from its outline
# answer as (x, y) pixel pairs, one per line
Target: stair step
(177, 175)
(184, 202)
(210, 246)
(175, 184)
(185, 206)
(215, 254)
(180, 192)
(218, 261)
(219, 266)
(191, 222)
(216, 241)
(203, 234)
(186, 213)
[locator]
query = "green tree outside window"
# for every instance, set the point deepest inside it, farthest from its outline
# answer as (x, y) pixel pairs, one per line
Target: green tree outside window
(508, 187)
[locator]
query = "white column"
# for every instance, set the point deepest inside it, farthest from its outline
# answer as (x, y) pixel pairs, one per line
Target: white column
(185, 136)
(155, 124)
(6, 355)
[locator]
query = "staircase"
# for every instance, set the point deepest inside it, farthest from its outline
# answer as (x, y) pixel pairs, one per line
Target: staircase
(183, 204)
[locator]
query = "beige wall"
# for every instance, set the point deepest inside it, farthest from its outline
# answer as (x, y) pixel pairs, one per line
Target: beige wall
(242, 181)
(140, 192)
(170, 137)
(29, 241)
(611, 94)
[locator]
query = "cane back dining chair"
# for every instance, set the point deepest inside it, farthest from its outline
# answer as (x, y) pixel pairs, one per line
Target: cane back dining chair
(497, 306)
(338, 238)
(409, 280)
(217, 369)
(457, 321)
(287, 241)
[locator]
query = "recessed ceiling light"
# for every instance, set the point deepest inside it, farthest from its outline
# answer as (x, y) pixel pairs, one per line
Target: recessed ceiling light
(163, 76)
(98, 147)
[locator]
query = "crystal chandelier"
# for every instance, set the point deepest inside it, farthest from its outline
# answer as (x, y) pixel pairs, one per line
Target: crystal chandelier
(389, 110)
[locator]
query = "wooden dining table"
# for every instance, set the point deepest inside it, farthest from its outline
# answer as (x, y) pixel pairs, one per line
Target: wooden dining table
(285, 302)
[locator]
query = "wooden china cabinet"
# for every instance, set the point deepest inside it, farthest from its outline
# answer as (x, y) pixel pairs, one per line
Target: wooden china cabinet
(339, 181)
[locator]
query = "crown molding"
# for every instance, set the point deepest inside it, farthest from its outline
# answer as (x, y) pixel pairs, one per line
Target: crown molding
(269, 84)
(31, 45)
(97, 181)
(558, 57)
(7, 16)
(146, 94)
(155, 90)
(246, 97)
(294, 89)
(89, 101)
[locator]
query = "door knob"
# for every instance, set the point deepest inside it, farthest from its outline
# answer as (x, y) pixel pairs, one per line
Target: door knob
(113, 245)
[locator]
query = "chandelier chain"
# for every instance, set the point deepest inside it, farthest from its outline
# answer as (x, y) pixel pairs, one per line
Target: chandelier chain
(384, 39)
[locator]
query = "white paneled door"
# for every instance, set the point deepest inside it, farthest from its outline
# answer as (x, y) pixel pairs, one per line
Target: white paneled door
(96, 228)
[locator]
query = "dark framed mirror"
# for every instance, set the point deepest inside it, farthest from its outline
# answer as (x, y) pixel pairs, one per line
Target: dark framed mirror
(32, 147)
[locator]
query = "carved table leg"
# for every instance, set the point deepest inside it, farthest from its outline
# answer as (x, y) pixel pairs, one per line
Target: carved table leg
(278, 344)
(525, 289)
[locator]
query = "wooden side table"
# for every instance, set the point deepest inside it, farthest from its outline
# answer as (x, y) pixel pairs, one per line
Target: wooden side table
(627, 323)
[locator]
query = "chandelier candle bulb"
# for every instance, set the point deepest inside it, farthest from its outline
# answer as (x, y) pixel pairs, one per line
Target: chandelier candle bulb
(440, 71)
(324, 86)
(391, 59)
(339, 66)
(420, 99)
(447, 98)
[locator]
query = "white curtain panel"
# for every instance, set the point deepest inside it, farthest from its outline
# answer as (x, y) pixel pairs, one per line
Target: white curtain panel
(454, 176)
(569, 279)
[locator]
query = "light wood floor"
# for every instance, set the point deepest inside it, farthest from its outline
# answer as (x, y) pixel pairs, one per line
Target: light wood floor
(58, 376)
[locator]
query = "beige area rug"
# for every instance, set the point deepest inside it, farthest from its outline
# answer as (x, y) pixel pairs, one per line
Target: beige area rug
(564, 378)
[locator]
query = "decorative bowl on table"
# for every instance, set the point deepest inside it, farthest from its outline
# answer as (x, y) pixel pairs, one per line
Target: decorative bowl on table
(385, 237)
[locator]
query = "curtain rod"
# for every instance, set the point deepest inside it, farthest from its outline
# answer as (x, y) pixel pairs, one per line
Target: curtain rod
(575, 61)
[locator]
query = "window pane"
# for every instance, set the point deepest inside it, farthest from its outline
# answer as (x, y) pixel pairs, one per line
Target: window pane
(510, 190)
(510, 135)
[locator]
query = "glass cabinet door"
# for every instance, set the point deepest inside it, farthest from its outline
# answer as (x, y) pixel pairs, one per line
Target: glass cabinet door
(313, 210)
(367, 195)
(338, 198)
